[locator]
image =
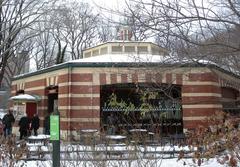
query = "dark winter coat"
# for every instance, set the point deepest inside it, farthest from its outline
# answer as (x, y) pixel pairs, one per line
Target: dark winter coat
(1, 127)
(24, 124)
(35, 122)
(8, 120)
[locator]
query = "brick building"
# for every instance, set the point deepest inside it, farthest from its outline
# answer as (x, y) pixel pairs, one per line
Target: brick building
(80, 89)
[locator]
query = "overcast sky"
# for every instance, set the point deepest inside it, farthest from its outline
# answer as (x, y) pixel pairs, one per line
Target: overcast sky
(104, 3)
(109, 3)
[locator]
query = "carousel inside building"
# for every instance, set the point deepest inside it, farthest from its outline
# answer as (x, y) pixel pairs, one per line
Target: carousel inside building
(156, 108)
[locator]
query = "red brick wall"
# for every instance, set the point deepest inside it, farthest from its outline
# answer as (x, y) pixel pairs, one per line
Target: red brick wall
(207, 76)
(84, 96)
(201, 99)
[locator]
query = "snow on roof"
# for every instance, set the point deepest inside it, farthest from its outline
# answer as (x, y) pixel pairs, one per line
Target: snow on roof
(139, 58)
(25, 97)
(120, 58)
(195, 60)
(129, 58)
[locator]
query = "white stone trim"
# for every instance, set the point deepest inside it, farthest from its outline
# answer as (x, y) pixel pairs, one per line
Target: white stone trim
(35, 88)
(80, 119)
(75, 84)
(119, 78)
(79, 107)
(141, 77)
(42, 107)
(42, 76)
(78, 95)
(201, 83)
(174, 78)
(201, 94)
(202, 106)
(129, 78)
(96, 79)
(164, 78)
(197, 118)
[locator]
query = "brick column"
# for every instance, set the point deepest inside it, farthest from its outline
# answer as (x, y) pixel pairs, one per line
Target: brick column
(201, 95)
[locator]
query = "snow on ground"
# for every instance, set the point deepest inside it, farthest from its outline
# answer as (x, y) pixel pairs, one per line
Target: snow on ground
(136, 163)
(40, 136)
(143, 162)
(155, 160)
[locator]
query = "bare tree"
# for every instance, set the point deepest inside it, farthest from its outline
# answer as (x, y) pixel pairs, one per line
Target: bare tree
(16, 17)
(74, 28)
(205, 29)
(19, 62)
(131, 17)
(106, 30)
(44, 52)
(127, 18)
(200, 30)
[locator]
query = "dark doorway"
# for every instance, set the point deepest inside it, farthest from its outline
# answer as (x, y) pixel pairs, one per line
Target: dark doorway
(52, 99)
(52, 93)
(52, 102)
(31, 109)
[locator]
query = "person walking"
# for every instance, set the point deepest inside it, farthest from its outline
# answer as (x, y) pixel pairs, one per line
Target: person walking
(35, 124)
(23, 127)
(8, 121)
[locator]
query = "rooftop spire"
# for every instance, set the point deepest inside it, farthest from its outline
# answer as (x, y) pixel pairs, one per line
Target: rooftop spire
(125, 33)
